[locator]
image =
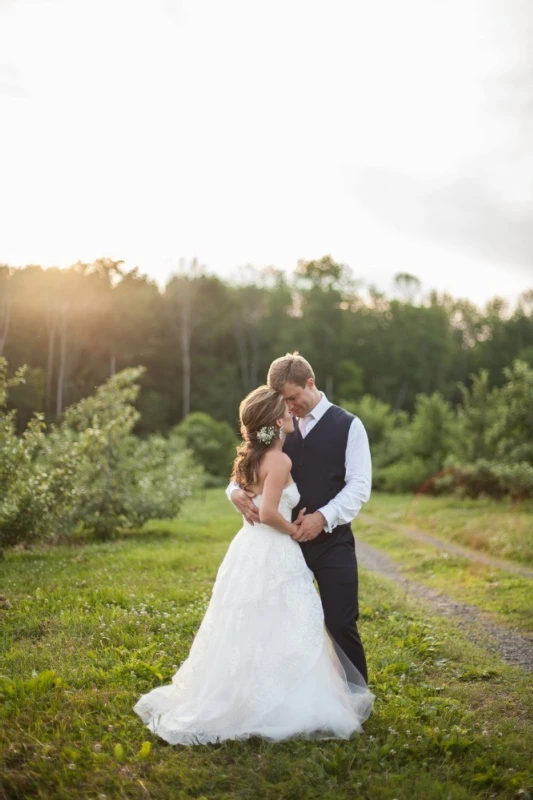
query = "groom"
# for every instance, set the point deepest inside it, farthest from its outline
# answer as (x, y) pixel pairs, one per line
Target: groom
(332, 468)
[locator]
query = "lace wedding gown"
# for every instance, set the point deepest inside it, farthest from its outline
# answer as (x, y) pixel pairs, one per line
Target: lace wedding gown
(262, 663)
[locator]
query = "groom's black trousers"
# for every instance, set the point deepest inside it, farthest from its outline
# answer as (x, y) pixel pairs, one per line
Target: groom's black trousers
(332, 559)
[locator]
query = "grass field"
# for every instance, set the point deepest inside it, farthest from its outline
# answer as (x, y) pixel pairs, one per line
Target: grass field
(88, 628)
(501, 528)
(508, 597)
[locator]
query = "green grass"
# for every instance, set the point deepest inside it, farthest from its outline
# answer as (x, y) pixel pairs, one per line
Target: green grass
(507, 597)
(92, 627)
(499, 528)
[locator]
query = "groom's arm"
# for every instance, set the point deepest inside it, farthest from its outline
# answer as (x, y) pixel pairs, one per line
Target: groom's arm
(242, 502)
(347, 504)
(231, 488)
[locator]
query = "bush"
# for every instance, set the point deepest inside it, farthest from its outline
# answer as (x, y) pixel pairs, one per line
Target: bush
(493, 452)
(485, 448)
(117, 479)
(386, 431)
(23, 505)
(474, 420)
(90, 471)
(212, 443)
(511, 434)
(407, 475)
(377, 417)
(432, 431)
(407, 453)
(515, 479)
(162, 474)
(493, 479)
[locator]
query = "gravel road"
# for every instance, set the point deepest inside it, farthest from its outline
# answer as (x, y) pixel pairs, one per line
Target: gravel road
(453, 549)
(513, 647)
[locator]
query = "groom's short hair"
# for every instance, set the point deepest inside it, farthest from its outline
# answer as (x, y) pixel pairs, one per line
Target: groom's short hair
(292, 368)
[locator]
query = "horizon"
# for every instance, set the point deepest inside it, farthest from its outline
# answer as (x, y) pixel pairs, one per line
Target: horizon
(361, 288)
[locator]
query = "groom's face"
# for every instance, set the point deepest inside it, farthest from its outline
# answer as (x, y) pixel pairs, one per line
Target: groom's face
(300, 399)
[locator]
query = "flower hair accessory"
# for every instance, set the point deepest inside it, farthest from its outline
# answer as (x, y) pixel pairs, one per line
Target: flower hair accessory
(266, 434)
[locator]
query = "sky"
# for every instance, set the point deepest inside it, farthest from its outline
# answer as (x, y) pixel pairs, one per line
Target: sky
(394, 136)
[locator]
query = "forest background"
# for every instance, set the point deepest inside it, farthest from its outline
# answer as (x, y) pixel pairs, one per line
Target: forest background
(414, 365)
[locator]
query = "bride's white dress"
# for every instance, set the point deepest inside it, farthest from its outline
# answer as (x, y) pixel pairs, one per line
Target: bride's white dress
(262, 662)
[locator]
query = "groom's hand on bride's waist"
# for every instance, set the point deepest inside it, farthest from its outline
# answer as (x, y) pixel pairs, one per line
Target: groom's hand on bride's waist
(310, 526)
(243, 501)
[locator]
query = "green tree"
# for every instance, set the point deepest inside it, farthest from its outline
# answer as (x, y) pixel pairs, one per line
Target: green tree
(475, 418)
(212, 443)
(181, 292)
(511, 434)
(324, 288)
(408, 285)
(421, 447)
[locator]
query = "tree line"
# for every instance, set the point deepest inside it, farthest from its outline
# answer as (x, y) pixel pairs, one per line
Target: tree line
(205, 342)
(88, 473)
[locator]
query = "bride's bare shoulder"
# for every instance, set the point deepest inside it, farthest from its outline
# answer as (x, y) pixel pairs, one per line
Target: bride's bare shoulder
(276, 460)
(277, 457)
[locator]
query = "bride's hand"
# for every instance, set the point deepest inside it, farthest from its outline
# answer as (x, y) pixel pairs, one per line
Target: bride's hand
(301, 515)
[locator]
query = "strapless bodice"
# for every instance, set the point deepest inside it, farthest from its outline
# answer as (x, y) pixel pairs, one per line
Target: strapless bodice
(290, 497)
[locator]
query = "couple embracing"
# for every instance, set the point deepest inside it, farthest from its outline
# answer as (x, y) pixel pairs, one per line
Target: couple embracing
(272, 658)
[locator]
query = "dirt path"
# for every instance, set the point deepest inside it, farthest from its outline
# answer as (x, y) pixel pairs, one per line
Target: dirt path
(454, 549)
(514, 648)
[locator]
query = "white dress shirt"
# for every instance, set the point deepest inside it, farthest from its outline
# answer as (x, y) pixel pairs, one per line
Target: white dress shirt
(346, 505)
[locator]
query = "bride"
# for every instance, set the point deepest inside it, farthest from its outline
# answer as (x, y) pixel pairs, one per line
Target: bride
(262, 663)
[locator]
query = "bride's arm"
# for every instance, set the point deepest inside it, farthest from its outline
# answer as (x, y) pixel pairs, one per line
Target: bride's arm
(278, 468)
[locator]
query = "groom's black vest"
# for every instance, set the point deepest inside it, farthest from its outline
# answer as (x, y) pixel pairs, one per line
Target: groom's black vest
(318, 461)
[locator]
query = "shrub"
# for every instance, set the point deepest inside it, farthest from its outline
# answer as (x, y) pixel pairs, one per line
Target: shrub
(432, 430)
(162, 474)
(377, 417)
(212, 443)
(23, 501)
(90, 471)
(511, 434)
(406, 475)
(409, 453)
(493, 452)
(474, 420)
(493, 479)
(117, 479)
(386, 431)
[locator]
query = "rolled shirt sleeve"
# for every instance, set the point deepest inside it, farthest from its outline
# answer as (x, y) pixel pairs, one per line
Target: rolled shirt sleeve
(346, 505)
(231, 488)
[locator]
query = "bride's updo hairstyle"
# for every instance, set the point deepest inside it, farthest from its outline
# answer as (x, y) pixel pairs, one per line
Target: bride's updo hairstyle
(259, 410)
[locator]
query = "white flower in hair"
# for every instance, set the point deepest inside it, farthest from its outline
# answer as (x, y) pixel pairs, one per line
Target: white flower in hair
(266, 434)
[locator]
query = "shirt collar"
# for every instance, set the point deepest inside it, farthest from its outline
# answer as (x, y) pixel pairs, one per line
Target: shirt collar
(320, 409)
